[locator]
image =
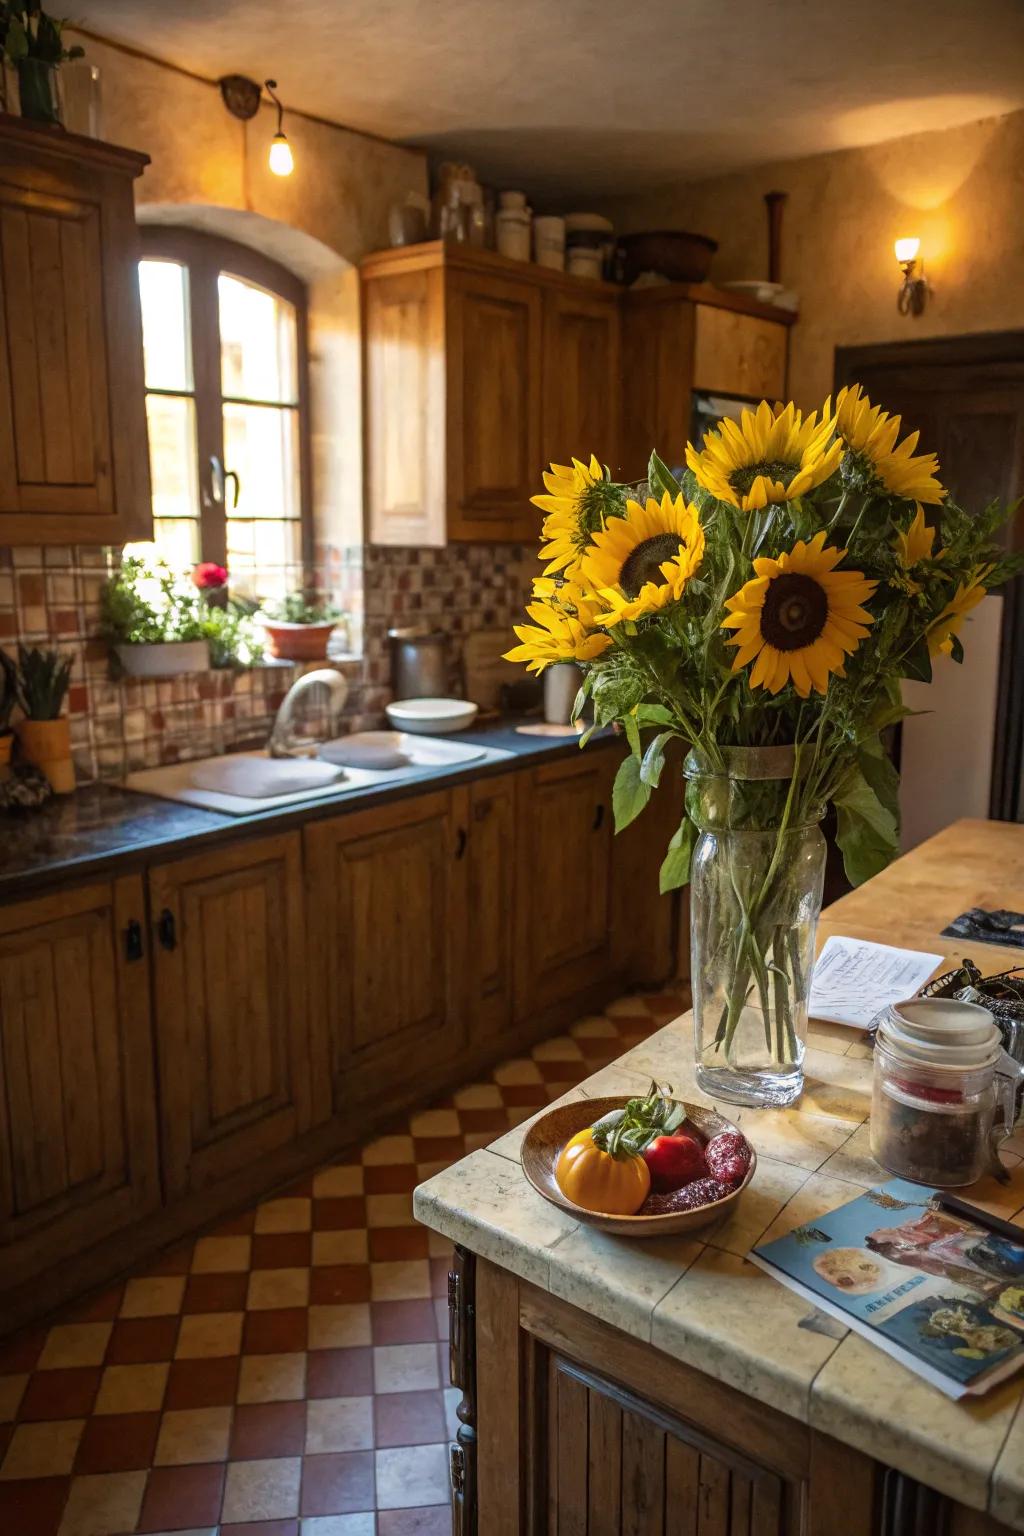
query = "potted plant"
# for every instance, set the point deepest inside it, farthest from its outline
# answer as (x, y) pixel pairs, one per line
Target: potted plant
(8, 699)
(44, 735)
(299, 626)
(32, 43)
(154, 621)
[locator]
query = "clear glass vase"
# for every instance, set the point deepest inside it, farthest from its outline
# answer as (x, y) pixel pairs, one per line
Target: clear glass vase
(756, 883)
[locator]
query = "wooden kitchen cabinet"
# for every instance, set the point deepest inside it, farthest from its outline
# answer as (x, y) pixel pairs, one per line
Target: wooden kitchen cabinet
(657, 336)
(233, 1032)
(739, 354)
(78, 1134)
(581, 385)
(387, 901)
(74, 466)
(564, 898)
(490, 918)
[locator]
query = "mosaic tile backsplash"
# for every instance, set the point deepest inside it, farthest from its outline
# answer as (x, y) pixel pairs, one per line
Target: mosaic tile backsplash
(51, 596)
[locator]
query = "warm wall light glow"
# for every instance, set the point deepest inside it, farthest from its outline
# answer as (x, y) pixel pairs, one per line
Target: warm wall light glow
(907, 249)
(281, 160)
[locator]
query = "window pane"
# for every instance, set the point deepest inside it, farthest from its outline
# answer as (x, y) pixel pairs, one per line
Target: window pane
(261, 446)
(264, 557)
(175, 541)
(163, 288)
(172, 456)
(257, 342)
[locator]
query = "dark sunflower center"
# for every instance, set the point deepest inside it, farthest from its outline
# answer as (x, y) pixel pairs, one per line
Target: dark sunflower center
(795, 611)
(742, 479)
(643, 563)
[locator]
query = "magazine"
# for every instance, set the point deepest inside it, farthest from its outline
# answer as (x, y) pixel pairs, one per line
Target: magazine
(941, 1294)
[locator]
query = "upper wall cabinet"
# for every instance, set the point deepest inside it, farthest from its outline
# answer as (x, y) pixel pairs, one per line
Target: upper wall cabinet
(479, 371)
(74, 464)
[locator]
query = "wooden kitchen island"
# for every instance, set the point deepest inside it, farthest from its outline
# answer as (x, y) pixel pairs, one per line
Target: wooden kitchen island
(670, 1388)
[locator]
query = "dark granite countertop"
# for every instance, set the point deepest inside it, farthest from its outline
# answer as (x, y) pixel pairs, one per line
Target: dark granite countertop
(103, 829)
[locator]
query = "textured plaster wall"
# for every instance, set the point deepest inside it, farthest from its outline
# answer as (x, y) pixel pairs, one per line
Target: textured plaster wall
(961, 191)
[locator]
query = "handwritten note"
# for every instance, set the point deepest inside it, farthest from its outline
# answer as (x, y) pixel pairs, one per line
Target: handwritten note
(854, 979)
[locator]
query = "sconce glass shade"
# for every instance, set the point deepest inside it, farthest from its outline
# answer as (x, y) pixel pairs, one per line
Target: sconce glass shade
(281, 160)
(907, 249)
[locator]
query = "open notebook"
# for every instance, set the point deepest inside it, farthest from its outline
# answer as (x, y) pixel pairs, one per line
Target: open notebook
(935, 1291)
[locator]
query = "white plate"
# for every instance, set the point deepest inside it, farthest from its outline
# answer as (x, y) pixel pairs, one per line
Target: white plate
(397, 751)
(431, 717)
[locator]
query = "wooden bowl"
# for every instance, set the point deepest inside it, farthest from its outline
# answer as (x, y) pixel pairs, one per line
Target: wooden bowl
(547, 1136)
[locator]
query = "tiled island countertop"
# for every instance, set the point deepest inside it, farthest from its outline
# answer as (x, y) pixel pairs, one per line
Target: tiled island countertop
(699, 1300)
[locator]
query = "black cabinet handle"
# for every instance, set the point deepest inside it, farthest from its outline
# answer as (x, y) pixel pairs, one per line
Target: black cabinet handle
(460, 842)
(167, 929)
(598, 818)
(133, 940)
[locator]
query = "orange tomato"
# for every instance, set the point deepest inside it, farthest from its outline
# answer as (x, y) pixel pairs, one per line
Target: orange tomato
(616, 1186)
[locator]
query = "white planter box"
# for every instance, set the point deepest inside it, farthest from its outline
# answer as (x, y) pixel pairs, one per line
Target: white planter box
(165, 660)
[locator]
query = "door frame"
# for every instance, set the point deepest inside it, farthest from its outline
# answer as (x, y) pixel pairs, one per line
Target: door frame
(996, 357)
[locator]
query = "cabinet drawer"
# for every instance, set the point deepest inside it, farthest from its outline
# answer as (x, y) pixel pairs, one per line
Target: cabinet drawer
(736, 354)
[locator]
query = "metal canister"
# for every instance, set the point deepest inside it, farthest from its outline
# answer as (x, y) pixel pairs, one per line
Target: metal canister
(419, 665)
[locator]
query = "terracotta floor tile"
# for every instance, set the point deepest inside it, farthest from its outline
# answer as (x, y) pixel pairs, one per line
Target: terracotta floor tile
(205, 1336)
(229, 1254)
(263, 1430)
(278, 1332)
(131, 1389)
(153, 1296)
(339, 1372)
(403, 1322)
(33, 1508)
(272, 1378)
(216, 1293)
(405, 1367)
(362, 1524)
(263, 1528)
(74, 1344)
(396, 1147)
(235, 1226)
(42, 1450)
(117, 1442)
(439, 1276)
(142, 1340)
(190, 1436)
(390, 1210)
(284, 1215)
(6, 1435)
(347, 1247)
(332, 1485)
(396, 1178)
(339, 1424)
(338, 1214)
(101, 1308)
(403, 1280)
(271, 1289)
(530, 1095)
(22, 1353)
(179, 1498)
(281, 1250)
(342, 1179)
(397, 1243)
(262, 1490)
(333, 1283)
(109, 1501)
(409, 1418)
(66, 1394)
(435, 1520)
(202, 1383)
(339, 1327)
(407, 1476)
(174, 1262)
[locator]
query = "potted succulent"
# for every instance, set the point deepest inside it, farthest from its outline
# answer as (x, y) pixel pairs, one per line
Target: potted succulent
(44, 735)
(8, 699)
(32, 43)
(299, 626)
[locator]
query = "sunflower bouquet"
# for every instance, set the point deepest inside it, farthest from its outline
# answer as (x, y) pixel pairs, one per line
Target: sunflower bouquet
(763, 605)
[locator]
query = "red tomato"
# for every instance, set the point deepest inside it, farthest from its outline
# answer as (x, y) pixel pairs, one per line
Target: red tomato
(675, 1161)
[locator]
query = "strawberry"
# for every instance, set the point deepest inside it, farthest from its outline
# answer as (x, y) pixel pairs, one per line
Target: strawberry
(674, 1161)
(728, 1157)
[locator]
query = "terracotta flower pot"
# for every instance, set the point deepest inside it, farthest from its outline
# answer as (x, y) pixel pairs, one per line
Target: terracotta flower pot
(299, 642)
(47, 744)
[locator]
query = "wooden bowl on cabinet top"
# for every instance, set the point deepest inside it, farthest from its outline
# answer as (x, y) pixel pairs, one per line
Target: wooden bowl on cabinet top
(546, 1137)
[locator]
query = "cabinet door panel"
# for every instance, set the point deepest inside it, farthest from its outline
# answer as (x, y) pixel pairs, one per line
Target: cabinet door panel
(656, 398)
(736, 354)
(77, 1106)
(494, 352)
(491, 915)
(582, 387)
(231, 1007)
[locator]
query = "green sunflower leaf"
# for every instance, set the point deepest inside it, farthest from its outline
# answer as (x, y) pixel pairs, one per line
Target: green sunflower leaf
(917, 664)
(675, 867)
(867, 831)
(654, 714)
(632, 730)
(629, 794)
(957, 650)
(661, 479)
(654, 760)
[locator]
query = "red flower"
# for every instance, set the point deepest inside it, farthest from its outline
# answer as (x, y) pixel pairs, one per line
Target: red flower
(207, 575)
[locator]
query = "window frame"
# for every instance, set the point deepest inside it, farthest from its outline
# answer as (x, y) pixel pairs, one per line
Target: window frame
(206, 256)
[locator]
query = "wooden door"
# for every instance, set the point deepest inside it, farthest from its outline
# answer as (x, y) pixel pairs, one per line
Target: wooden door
(650, 946)
(78, 1156)
(73, 458)
(736, 354)
(232, 1028)
(563, 890)
(493, 325)
(582, 383)
(387, 897)
(490, 929)
(403, 317)
(657, 336)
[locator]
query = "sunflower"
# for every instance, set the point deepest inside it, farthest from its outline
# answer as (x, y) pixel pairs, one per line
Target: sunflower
(563, 629)
(580, 497)
(642, 562)
(772, 454)
(799, 617)
(873, 460)
(968, 595)
(912, 546)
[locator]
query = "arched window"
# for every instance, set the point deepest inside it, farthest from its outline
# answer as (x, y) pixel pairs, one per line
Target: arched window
(224, 334)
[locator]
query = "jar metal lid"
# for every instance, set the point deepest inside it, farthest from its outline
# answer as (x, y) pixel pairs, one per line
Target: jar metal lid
(941, 1033)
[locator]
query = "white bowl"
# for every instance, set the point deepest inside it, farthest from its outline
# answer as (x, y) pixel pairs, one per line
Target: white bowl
(431, 717)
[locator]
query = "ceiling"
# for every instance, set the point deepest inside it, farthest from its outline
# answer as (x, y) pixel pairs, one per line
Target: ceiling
(597, 96)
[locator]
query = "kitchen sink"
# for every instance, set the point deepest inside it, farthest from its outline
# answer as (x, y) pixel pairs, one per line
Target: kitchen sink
(243, 783)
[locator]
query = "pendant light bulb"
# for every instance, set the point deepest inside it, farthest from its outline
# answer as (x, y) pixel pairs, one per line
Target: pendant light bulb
(281, 160)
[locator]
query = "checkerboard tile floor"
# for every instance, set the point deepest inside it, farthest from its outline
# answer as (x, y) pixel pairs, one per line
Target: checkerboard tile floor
(283, 1374)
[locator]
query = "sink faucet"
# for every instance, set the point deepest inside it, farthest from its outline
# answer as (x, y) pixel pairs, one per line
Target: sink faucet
(282, 741)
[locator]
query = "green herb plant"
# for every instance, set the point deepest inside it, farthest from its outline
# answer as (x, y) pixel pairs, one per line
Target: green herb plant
(300, 607)
(146, 603)
(42, 683)
(8, 691)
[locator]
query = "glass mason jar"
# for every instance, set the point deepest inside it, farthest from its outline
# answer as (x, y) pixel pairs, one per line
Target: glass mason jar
(755, 894)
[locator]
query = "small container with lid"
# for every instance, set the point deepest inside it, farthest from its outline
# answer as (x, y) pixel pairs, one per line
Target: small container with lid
(513, 226)
(944, 1091)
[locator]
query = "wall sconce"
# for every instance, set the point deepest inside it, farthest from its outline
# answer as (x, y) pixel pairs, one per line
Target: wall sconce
(242, 99)
(911, 298)
(280, 159)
